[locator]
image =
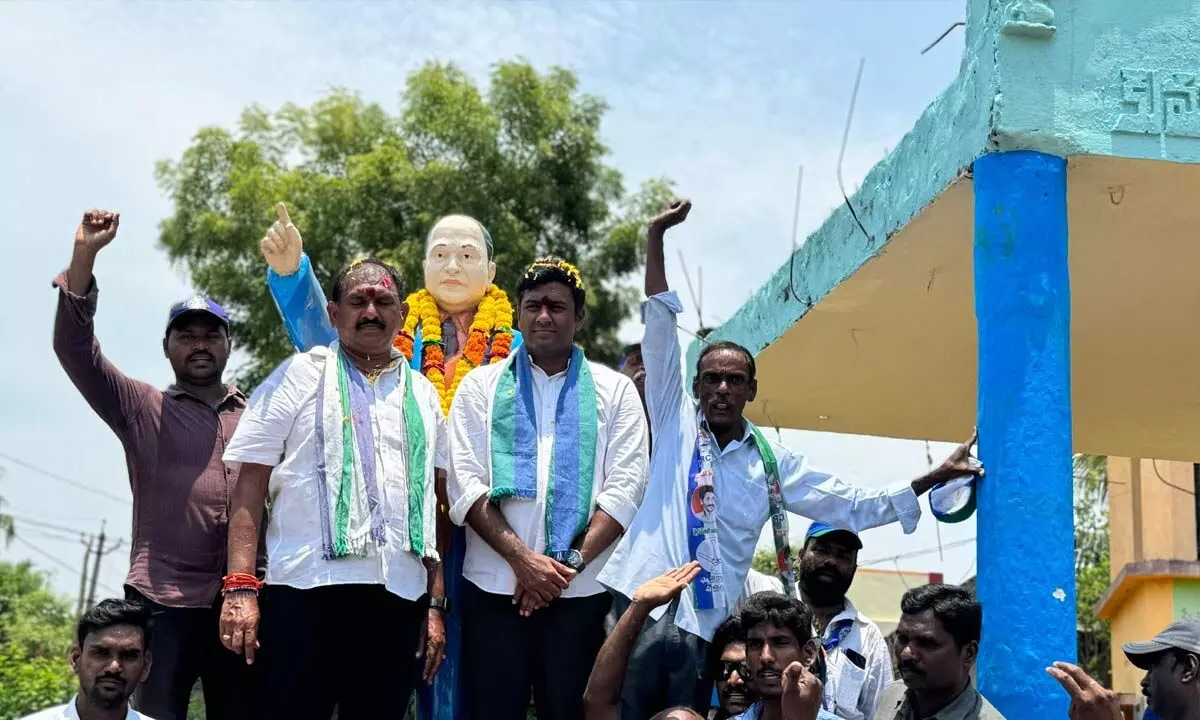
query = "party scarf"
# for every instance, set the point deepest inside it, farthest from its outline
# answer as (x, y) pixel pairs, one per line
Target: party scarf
(708, 589)
(573, 459)
(347, 478)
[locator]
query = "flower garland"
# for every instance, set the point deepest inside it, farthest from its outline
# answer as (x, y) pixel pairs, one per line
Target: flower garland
(493, 322)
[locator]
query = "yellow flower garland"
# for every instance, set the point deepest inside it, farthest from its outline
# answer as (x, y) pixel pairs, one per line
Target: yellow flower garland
(492, 323)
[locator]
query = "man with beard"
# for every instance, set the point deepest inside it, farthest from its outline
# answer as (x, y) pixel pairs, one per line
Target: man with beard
(348, 441)
(173, 440)
(937, 642)
(707, 442)
(781, 657)
(859, 665)
(1171, 686)
(110, 658)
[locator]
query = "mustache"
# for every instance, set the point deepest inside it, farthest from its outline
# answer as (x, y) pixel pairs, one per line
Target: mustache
(911, 668)
(368, 321)
(201, 354)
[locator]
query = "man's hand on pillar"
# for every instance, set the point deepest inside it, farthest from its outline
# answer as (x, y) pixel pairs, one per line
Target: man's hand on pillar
(1089, 699)
(961, 462)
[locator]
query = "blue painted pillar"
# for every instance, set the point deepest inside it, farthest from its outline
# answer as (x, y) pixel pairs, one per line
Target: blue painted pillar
(1026, 540)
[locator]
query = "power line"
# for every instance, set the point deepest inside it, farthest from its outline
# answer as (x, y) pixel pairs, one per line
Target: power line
(49, 525)
(61, 564)
(1164, 481)
(54, 534)
(916, 553)
(73, 483)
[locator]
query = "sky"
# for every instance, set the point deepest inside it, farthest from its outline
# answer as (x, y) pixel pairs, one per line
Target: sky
(726, 99)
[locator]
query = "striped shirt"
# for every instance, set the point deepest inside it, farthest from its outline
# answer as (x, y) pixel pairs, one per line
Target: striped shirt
(173, 445)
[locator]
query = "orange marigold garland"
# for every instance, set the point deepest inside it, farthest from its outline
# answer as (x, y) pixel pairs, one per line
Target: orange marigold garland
(493, 321)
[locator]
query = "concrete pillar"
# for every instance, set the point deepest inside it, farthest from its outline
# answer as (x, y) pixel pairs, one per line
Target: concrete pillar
(1026, 543)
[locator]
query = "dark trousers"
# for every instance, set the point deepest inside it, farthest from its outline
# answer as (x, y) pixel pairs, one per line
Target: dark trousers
(352, 647)
(667, 668)
(185, 645)
(551, 652)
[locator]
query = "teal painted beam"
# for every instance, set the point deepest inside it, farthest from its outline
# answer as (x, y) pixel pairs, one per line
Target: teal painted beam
(943, 143)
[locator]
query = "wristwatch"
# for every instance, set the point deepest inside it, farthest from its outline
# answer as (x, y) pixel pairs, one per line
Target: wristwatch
(571, 558)
(441, 604)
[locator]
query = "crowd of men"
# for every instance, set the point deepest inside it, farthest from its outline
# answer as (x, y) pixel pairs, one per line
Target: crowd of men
(287, 546)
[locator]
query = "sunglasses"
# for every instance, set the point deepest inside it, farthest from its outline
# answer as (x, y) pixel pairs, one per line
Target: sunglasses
(729, 667)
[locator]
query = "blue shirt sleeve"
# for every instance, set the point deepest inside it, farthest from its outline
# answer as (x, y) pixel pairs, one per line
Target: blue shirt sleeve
(302, 306)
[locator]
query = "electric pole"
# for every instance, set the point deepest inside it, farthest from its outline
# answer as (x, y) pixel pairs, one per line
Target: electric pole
(83, 576)
(91, 596)
(99, 554)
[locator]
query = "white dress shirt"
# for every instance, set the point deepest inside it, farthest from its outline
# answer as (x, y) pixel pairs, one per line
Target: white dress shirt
(279, 428)
(657, 539)
(617, 487)
(851, 692)
(69, 712)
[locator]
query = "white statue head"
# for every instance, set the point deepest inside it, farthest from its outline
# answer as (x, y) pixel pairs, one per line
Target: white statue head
(458, 263)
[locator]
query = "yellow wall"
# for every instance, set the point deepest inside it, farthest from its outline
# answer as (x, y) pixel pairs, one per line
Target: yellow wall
(1120, 513)
(1148, 519)
(1143, 615)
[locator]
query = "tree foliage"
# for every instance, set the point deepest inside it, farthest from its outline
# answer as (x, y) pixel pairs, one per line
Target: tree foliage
(35, 635)
(1092, 562)
(523, 156)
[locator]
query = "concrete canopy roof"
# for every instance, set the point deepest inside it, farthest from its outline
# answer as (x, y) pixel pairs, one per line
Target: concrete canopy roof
(876, 335)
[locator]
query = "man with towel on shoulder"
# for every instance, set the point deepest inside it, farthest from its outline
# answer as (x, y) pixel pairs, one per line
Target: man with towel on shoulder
(548, 455)
(347, 441)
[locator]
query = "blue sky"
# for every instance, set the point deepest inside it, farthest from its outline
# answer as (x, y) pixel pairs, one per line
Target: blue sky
(727, 99)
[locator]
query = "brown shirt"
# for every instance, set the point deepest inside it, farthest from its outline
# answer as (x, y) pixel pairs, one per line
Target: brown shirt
(173, 445)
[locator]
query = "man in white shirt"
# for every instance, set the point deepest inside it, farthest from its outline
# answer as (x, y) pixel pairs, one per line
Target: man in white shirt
(548, 468)
(859, 664)
(707, 442)
(111, 660)
(349, 443)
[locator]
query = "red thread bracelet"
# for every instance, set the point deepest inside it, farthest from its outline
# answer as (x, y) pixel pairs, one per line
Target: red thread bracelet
(240, 581)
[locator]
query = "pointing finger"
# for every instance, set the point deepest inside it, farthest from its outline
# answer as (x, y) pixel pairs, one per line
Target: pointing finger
(281, 212)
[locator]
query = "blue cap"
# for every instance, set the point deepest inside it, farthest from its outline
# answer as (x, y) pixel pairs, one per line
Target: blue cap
(820, 529)
(197, 304)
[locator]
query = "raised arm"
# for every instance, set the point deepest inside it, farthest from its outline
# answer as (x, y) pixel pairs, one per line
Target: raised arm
(114, 396)
(660, 342)
(294, 286)
(602, 698)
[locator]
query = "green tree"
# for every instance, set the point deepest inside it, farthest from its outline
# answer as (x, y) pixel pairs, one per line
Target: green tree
(524, 157)
(1092, 561)
(35, 636)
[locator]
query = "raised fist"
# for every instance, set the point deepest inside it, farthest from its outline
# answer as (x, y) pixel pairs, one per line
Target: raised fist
(97, 229)
(672, 215)
(282, 245)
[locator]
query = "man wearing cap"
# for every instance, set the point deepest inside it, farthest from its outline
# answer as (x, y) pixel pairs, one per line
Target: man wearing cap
(708, 442)
(859, 664)
(1171, 686)
(173, 441)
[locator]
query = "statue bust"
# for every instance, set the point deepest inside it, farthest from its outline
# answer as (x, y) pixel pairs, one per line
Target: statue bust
(458, 321)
